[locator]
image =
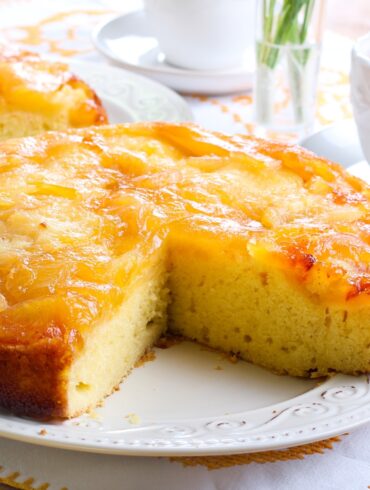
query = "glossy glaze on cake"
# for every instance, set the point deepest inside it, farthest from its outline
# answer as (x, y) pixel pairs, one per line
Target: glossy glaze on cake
(111, 235)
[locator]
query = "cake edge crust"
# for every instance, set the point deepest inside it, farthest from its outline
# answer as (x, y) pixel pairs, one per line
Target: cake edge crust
(32, 381)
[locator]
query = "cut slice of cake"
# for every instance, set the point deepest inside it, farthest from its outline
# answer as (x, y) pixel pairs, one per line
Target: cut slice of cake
(37, 95)
(111, 235)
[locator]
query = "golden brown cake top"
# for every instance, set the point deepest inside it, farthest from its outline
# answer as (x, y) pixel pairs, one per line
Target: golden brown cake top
(31, 83)
(81, 211)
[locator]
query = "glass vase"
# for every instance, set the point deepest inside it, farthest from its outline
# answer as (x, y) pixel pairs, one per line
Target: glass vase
(288, 49)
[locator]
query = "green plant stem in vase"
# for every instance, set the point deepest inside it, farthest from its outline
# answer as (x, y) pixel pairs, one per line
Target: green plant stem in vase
(284, 50)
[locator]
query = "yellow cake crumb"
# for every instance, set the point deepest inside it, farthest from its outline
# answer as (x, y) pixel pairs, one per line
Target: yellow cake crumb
(133, 418)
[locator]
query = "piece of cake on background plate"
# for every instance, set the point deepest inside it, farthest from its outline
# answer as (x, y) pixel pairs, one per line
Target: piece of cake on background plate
(38, 95)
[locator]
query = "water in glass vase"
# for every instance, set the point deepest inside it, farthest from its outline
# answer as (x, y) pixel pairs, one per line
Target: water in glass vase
(288, 41)
(286, 84)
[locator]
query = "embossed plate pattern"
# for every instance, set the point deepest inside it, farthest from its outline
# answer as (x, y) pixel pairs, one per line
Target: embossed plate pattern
(191, 401)
(129, 97)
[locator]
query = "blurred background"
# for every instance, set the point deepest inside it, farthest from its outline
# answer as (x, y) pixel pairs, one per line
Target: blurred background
(349, 18)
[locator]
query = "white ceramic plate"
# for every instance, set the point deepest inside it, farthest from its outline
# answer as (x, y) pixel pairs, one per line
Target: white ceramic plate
(190, 401)
(127, 41)
(129, 97)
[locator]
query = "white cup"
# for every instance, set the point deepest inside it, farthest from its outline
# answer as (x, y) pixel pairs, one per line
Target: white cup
(202, 34)
(360, 91)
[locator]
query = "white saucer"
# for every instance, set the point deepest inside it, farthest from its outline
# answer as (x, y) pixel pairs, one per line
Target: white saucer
(126, 40)
(340, 143)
